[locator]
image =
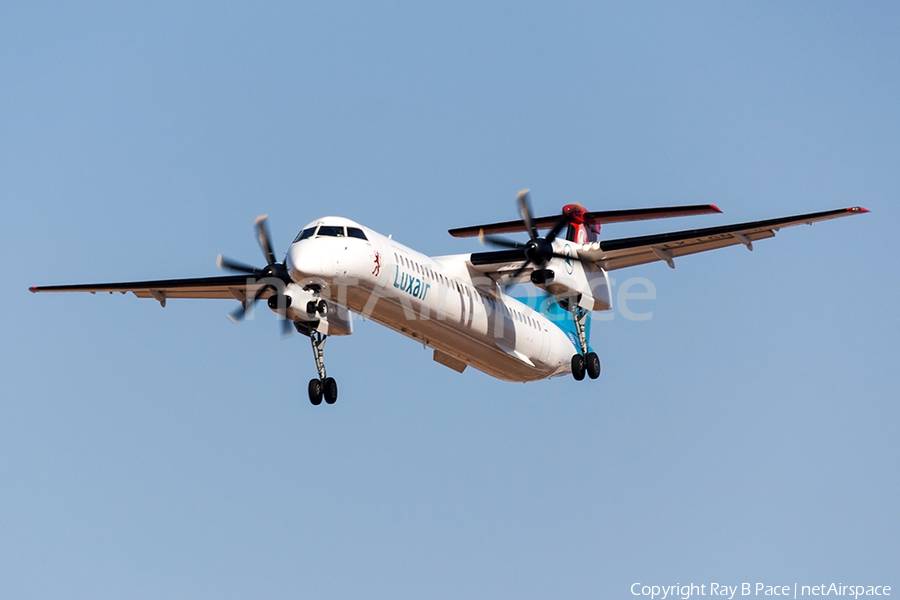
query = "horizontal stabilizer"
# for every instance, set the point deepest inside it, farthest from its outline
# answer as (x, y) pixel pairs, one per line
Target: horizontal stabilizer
(596, 217)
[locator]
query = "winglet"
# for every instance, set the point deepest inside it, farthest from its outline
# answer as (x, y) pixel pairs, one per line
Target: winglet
(858, 209)
(33, 289)
(715, 208)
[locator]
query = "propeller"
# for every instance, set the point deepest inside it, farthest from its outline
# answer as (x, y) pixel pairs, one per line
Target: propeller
(537, 250)
(274, 276)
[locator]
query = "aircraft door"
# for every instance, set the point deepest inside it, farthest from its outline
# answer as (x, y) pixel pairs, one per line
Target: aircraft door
(544, 342)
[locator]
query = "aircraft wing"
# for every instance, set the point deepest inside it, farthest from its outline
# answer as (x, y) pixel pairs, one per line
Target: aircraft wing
(629, 252)
(235, 287)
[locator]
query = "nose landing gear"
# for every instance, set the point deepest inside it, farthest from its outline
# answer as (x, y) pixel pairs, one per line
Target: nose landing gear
(324, 387)
(314, 309)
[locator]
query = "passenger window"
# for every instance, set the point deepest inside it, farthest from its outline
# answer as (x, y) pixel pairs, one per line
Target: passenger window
(356, 232)
(308, 232)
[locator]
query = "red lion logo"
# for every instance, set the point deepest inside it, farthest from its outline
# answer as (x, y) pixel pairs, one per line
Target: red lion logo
(377, 268)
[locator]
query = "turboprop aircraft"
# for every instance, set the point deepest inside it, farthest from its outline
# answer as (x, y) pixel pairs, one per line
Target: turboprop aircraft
(457, 304)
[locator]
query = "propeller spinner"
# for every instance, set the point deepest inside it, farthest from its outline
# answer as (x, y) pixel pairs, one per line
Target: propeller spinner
(537, 250)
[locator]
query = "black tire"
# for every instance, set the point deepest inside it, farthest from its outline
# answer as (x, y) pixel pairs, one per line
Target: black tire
(329, 389)
(311, 309)
(578, 367)
(592, 365)
(315, 391)
(323, 308)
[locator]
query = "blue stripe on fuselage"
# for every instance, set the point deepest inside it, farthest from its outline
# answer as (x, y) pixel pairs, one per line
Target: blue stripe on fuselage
(546, 304)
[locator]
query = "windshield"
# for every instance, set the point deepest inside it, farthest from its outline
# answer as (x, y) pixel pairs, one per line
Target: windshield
(356, 232)
(331, 231)
(305, 234)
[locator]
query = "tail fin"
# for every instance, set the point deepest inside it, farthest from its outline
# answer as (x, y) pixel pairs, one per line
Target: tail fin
(547, 305)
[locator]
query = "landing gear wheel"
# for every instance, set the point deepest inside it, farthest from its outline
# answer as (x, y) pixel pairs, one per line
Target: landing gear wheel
(330, 390)
(592, 365)
(315, 391)
(322, 307)
(578, 367)
(311, 309)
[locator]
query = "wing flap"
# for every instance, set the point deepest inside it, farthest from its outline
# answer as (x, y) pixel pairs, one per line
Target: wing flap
(639, 256)
(629, 252)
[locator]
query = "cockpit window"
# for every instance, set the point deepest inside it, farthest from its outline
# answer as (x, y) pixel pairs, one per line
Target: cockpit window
(305, 234)
(331, 231)
(356, 232)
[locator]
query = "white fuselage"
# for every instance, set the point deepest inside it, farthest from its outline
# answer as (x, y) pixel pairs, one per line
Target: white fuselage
(437, 301)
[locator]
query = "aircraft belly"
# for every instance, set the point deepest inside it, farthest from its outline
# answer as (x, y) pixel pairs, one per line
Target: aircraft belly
(456, 330)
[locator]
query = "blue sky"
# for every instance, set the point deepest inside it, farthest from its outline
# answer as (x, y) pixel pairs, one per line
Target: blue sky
(747, 432)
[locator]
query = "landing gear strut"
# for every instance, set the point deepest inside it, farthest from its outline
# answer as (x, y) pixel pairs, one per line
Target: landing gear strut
(585, 362)
(324, 387)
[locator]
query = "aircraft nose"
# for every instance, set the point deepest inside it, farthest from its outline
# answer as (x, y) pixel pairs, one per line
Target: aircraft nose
(309, 260)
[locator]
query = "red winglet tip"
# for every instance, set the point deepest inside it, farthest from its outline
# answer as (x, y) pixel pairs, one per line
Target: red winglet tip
(715, 208)
(861, 209)
(32, 289)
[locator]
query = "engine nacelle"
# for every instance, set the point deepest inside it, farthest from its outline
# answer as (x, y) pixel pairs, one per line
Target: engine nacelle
(570, 278)
(326, 317)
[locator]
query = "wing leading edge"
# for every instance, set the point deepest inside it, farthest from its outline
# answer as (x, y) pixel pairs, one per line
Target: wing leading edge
(629, 252)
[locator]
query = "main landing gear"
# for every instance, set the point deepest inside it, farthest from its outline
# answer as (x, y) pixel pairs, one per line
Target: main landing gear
(585, 362)
(323, 388)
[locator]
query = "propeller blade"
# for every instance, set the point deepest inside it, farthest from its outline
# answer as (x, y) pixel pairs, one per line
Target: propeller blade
(241, 310)
(238, 314)
(262, 232)
(501, 242)
(287, 328)
(520, 269)
(557, 227)
(233, 265)
(528, 262)
(525, 208)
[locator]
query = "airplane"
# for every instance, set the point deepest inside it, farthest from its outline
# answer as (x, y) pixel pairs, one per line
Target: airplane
(458, 305)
